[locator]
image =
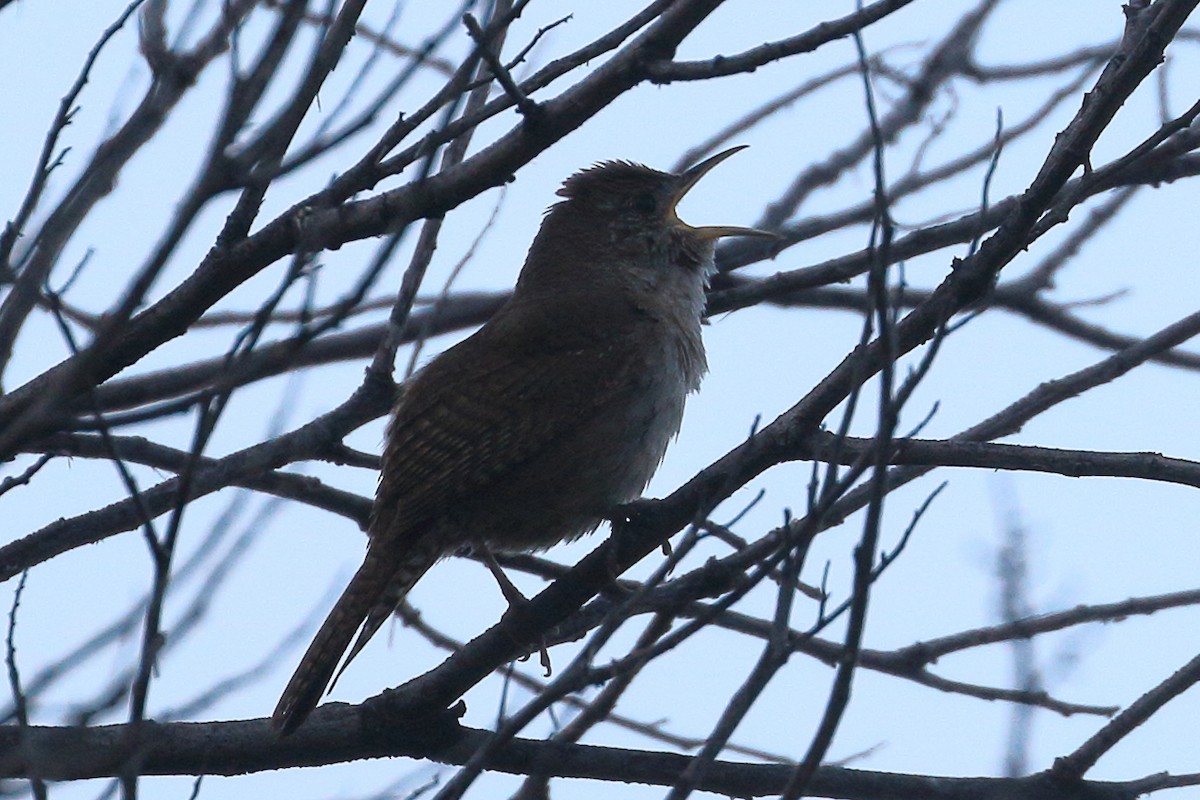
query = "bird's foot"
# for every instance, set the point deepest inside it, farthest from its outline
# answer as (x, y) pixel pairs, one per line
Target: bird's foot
(628, 522)
(543, 658)
(518, 612)
(635, 512)
(518, 604)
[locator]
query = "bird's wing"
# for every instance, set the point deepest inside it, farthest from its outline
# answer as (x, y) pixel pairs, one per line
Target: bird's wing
(497, 399)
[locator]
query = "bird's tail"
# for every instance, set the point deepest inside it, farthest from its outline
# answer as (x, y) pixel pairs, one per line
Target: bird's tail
(374, 591)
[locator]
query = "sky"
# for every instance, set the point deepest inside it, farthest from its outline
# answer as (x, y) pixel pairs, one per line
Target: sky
(1091, 540)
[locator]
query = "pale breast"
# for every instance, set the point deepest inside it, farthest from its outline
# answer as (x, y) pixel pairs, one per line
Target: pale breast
(605, 460)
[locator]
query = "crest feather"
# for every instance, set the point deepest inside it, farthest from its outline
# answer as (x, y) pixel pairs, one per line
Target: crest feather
(614, 176)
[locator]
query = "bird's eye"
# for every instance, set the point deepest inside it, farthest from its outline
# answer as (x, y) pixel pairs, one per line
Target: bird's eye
(645, 203)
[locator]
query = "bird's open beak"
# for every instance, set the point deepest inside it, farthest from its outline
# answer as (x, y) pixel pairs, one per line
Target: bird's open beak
(689, 179)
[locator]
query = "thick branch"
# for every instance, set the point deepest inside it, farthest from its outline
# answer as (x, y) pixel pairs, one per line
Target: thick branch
(331, 736)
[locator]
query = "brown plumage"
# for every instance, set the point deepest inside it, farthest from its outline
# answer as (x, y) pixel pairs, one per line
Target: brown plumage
(556, 411)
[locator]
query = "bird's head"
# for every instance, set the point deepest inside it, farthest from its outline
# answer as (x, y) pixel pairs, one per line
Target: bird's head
(630, 208)
(617, 222)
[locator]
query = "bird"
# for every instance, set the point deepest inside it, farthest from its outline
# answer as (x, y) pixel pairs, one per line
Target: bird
(554, 413)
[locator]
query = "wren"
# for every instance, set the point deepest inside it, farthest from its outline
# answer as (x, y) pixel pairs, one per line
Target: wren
(545, 420)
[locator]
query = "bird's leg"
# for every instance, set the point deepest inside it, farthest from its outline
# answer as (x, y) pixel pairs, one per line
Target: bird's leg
(516, 601)
(511, 593)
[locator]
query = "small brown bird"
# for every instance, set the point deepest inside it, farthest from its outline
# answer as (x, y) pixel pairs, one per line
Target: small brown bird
(551, 415)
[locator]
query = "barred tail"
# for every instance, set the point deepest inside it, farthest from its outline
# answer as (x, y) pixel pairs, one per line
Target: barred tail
(416, 563)
(371, 595)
